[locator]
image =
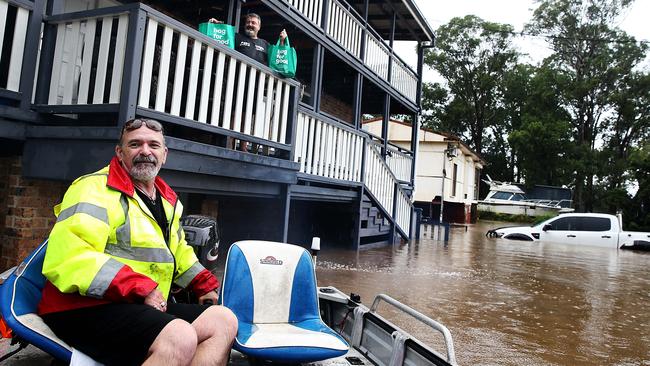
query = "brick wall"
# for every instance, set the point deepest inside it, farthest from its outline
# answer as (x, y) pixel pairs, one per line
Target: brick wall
(337, 108)
(26, 214)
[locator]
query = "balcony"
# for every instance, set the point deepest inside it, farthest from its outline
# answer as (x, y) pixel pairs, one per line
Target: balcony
(134, 60)
(345, 26)
(110, 64)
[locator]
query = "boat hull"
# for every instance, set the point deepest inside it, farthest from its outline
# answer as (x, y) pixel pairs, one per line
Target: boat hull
(518, 208)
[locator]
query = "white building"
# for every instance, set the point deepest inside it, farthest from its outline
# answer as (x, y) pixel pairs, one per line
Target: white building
(438, 155)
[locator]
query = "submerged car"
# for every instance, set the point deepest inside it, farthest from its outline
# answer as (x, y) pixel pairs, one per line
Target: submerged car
(601, 230)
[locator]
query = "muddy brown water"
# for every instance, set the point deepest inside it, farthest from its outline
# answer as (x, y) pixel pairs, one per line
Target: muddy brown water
(509, 302)
(505, 302)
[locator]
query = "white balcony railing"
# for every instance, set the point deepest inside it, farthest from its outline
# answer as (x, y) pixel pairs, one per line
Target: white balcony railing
(400, 164)
(183, 74)
(310, 9)
(403, 79)
(15, 39)
(328, 150)
(377, 56)
(344, 28)
(75, 80)
(210, 85)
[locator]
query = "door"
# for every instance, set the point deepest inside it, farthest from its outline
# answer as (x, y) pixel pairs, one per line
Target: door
(596, 231)
(561, 230)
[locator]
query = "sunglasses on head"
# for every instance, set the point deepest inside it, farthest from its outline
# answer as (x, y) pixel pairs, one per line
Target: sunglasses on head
(134, 124)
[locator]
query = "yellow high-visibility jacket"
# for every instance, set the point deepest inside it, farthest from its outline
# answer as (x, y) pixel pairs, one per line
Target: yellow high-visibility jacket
(106, 246)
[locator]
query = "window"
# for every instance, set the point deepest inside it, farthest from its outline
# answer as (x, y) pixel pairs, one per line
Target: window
(564, 224)
(502, 196)
(518, 197)
(581, 224)
(594, 224)
(454, 180)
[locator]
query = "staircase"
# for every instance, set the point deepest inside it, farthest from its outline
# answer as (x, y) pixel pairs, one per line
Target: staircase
(375, 227)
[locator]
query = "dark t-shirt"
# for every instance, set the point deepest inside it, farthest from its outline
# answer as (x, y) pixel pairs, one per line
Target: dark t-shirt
(254, 48)
(156, 208)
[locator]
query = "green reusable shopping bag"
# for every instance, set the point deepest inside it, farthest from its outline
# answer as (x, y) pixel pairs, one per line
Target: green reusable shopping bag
(283, 58)
(222, 33)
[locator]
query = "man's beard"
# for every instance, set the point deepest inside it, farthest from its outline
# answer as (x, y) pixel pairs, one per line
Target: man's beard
(250, 32)
(143, 170)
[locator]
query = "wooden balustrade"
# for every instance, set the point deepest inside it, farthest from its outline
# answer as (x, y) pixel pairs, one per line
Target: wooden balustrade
(13, 39)
(327, 150)
(76, 79)
(384, 186)
(312, 10)
(400, 164)
(403, 79)
(376, 56)
(185, 76)
(344, 28)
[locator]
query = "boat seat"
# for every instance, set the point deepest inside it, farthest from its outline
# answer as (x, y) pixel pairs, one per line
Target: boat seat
(19, 298)
(271, 288)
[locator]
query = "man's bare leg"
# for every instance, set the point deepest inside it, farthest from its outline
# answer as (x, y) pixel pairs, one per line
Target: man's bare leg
(216, 329)
(175, 345)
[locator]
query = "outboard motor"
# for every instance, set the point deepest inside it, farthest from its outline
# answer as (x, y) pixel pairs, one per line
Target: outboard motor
(202, 233)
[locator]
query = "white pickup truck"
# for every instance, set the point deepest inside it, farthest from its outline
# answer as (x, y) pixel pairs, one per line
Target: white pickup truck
(601, 230)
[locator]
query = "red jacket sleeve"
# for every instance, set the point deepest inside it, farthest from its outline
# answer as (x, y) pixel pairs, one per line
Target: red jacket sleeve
(203, 283)
(129, 286)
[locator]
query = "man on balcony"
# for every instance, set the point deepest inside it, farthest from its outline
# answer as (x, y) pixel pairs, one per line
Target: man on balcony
(112, 256)
(248, 43)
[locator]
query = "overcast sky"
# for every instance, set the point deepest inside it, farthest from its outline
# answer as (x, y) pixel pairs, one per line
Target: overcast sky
(515, 12)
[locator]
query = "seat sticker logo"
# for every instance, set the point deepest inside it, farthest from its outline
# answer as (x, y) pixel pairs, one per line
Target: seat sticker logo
(271, 260)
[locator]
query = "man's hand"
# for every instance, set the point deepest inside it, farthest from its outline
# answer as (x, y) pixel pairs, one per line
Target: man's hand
(283, 36)
(211, 298)
(215, 21)
(156, 300)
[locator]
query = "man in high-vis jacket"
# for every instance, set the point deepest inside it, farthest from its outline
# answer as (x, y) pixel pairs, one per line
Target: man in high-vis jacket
(112, 256)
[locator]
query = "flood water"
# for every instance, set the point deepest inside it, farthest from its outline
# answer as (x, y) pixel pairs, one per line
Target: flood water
(509, 302)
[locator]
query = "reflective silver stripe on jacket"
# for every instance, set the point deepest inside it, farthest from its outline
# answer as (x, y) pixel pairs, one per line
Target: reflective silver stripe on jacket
(123, 248)
(187, 277)
(90, 209)
(123, 233)
(157, 255)
(103, 278)
(179, 233)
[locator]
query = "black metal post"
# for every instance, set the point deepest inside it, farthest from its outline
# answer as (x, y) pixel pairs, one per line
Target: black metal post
(234, 13)
(384, 125)
(47, 57)
(131, 78)
(293, 120)
(356, 100)
(317, 76)
(32, 39)
(325, 15)
(287, 211)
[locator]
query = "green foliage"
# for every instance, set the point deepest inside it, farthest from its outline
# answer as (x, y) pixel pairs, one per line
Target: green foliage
(581, 118)
(472, 56)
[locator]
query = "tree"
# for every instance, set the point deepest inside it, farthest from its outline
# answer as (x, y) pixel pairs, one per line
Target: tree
(591, 57)
(472, 55)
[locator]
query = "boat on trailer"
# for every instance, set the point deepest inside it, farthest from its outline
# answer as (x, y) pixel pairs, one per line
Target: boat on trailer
(509, 198)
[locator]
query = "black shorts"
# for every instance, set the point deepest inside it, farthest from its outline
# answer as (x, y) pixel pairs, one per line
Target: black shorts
(117, 334)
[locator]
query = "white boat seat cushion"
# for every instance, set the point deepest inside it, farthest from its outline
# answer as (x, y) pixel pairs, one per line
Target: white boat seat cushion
(271, 287)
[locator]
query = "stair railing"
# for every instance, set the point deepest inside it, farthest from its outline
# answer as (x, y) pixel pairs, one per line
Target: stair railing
(386, 189)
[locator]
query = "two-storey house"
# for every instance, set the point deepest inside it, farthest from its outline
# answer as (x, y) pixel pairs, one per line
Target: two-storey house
(272, 158)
